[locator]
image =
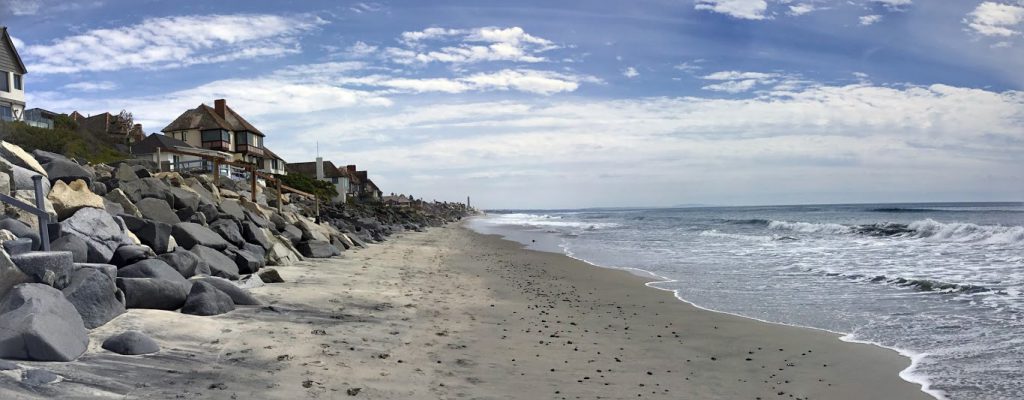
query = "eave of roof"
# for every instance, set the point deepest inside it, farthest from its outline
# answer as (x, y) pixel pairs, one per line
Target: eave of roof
(17, 57)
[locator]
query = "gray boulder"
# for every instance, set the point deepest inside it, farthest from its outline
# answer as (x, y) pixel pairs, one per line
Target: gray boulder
(252, 233)
(18, 246)
(188, 235)
(238, 295)
(99, 188)
(94, 295)
(106, 269)
(53, 268)
(100, 231)
(44, 157)
(259, 252)
(233, 209)
(155, 234)
(220, 264)
(187, 263)
(130, 254)
(151, 268)
(270, 275)
(292, 233)
(184, 199)
(20, 229)
(160, 294)
(228, 229)
(37, 323)
(131, 343)
(146, 188)
(67, 171)
(125, 173)
(206, 299)
(246, 262)
(157, 210)
(257, 219)
(317, 249)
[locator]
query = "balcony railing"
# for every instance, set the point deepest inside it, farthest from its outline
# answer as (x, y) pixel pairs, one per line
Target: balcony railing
(248, 149)
(222, 146)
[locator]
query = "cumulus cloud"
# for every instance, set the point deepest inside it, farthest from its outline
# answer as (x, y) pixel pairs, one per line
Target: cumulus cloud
(801, 8)
(171, 42)
(742, 9)
(895, 5)
(630, 72)
(360, 49)
(91, 86)
(866, 20)
(463, 46)
(743, 81)
(732, 86)
(996, 19)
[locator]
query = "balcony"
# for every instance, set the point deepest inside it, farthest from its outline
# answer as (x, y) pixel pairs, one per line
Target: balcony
(217, 145)
(248, 149)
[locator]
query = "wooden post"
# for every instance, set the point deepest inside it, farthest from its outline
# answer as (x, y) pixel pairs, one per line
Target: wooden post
(252, 177)
(216, 171)
(159, 161)
(280, 197)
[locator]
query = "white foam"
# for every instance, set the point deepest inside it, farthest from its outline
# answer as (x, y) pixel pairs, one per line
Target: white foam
(961, 232)
(807, 227)
(544, 220)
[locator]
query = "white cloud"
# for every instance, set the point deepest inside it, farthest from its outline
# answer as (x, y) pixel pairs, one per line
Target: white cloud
(733, 75)
(996, 19)
(91, 86)
(18, 44)
(630, 72)
(470, 46)
(801, 8)
(732, 86)
(360, 8)
(361, 49)
(742, 9)
(894, 5)
(173, 42)
(866, 20)
(33, 7)
(24, 7)
(690, 66)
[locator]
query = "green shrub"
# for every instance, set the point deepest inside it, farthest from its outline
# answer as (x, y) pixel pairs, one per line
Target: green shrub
(60, 140)
(325, 191)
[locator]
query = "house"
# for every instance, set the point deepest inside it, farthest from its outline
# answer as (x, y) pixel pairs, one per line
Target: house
(363, 187)
(163, 150)
(107, 125)
(401, 201)
(40, 118)
(220, 128)
(12, 80)
(326, 171)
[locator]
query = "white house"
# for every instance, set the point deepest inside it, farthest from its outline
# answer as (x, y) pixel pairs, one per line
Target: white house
(12, 80)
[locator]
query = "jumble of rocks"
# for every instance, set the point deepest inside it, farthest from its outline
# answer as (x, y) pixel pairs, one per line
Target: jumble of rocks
(127, 236)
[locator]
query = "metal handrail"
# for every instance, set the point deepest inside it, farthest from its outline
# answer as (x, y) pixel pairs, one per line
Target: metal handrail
(39, 210)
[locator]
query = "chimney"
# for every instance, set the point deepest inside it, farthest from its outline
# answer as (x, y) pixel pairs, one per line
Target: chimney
(319, 168)
(351, 168)
(219, 105)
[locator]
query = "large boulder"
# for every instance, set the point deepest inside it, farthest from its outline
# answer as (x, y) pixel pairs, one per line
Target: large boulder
(184, 199)
(131, 343)
(220, 264)
(318, 249)
(100, 231)
(10, 274)
(151, 268)
(206, 299)
(67, 171)
(53, 268)
(16, 155)
(44, 157)
(155, 234)
(160, 294)
(270, 275)
(130, 254)
(20, 229)
(157, 210)
(238, 295)
(94, 295)
(292, 233)
(228, 229)
(73, 244)
(312, 231)
(125, 173)
(233, 209)
(190, 234)
(187, 263)
(281, 252)
(67, 198)
(259, 252)
(246, 262)
(17, 245)
(253, 233)
(117, 196)
(146, 188)
(29, 197)
(38, 323)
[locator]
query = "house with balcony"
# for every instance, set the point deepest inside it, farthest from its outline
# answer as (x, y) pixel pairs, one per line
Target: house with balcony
(363, 188)
(327, 172)
(220, 128)
(12, 80)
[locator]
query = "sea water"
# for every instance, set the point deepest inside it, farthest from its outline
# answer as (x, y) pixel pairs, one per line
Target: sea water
(942, 283)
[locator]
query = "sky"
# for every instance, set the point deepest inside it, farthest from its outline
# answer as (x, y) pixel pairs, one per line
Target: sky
(571, 104)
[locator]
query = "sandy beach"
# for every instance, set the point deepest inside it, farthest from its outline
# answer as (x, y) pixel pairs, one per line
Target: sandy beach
(454, 314)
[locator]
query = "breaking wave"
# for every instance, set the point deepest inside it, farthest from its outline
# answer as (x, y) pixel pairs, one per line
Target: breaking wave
(926, 229)
(546, 221)
(808, 227)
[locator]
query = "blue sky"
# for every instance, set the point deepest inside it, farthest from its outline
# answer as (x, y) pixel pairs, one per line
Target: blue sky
(575, 103)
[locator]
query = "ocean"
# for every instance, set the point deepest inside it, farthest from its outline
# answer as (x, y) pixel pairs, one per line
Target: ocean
(942, 283)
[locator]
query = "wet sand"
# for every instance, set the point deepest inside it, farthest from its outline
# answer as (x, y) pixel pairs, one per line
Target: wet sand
(452, 314)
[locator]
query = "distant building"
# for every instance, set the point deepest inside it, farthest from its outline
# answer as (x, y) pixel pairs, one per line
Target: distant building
(165, 150)
(12, 80)
(328, 172)
(363, 188)
(109, 126)
(40, 118)
(220, 128)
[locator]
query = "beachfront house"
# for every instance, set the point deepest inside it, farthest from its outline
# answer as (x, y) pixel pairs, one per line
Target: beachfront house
(363, 188)
(106, 125)
(220, 128)
(12, 80)
(326, 171)
(168, 153)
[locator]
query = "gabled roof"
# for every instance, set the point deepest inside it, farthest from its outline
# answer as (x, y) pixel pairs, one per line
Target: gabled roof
(6, 40)
(271, 154)
(202, 118)
(156, 140)
(237, 122)
(309, 169)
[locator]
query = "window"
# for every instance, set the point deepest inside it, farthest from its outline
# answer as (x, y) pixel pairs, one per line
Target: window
(5, 81)
(216, 136)
(17, 81)
(6, 113)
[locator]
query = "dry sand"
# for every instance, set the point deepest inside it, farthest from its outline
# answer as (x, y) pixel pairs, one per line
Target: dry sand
(454, 314)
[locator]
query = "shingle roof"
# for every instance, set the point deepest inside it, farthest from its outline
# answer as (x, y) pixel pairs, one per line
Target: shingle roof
(202, 117)
(309, 169)
(271, 154)
(10, 43)
(156, 140)
(237, 122)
